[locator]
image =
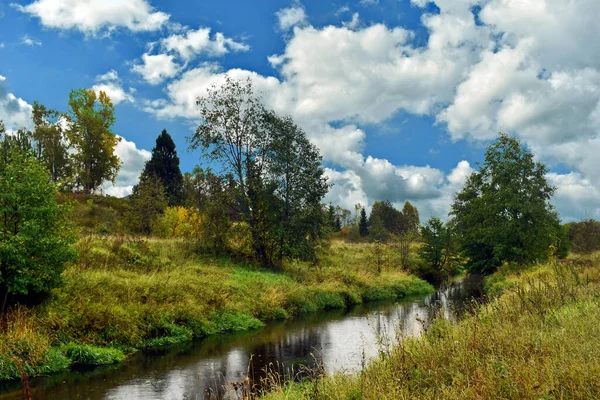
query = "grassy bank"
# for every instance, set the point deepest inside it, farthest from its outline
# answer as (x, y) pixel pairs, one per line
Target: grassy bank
(130, 294)
(538, 339)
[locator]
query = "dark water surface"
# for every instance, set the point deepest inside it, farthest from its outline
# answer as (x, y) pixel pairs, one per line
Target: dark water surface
(338, 340)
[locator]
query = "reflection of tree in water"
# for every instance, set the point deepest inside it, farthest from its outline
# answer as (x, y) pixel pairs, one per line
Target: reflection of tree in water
(337, 340)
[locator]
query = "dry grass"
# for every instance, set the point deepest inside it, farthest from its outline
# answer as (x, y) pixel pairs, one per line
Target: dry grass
(537, 340)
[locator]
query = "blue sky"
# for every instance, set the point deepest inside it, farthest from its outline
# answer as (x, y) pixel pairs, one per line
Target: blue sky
(401, 96)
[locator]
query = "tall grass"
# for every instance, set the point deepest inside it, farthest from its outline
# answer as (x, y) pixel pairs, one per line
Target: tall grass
(131, 293)
(537, 340)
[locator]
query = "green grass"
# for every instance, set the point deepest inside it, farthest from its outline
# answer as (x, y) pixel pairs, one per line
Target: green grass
(128, 294)
(537, 340)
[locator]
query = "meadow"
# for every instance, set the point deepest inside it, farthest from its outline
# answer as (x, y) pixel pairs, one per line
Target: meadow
(126, 294)
(535, 338)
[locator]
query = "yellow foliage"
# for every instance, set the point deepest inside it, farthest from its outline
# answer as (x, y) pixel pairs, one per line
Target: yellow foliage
(179, 222)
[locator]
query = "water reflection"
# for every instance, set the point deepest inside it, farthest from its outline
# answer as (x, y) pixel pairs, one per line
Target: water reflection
(337, 340)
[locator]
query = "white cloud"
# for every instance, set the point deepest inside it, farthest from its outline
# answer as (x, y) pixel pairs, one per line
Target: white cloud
(529, 68)
(177, 50)
(292, 16)
(94, 16)
(14, 111)
(110, 84)
(194, 42)
(156, 68)
(133, 161)
(353, 23)
(369, 2)
(29, 41)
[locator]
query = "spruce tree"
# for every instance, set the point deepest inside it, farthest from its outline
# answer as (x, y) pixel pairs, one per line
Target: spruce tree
(363, 228)
(164, 165)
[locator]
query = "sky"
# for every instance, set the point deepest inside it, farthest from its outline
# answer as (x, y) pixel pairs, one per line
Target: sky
(400, 96)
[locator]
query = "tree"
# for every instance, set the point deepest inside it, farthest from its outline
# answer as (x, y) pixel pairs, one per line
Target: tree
(437, 244)
(51, 146)
(34, 236)
(377, 230)
(148, 202)
(503, 213)
(91, 118)
(410, 219)
(585, 236)
(388, 215)
(164, 164)
(363, 227)
(275, 170)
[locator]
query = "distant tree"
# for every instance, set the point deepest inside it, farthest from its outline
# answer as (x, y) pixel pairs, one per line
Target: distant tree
(404, 244)
(437, 248)
(51, 145)
(363, 226)
(503, 213)
(410, 219)
(585, 236)
(91, 118)
(34, 236)
(344, 216)
(331, 216)
(377, 230)
(148, 202)
(164, 164)
(388, 215)
(337, 223)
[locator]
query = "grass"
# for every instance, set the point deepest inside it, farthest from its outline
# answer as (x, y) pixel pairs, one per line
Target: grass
(127, 294)
(536, 339)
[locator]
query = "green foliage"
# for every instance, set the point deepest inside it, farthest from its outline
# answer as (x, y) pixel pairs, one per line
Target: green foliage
(438, 248)
(164, 165)
(377, 230)
(148, 202)
(363, 225)
(410, 219)
(51, 146)
(585, 236)
(387, 214)
(91, 118)
(503, 213)
(34, 236)
(82, 354)
(274, 175)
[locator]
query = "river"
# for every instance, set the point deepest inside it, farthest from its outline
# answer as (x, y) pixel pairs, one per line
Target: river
(336, 340)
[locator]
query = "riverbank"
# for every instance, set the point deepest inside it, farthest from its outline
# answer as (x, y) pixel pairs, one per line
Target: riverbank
(126, 295)
(537, 339)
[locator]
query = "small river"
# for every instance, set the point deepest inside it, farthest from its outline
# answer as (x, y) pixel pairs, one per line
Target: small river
(335, 340)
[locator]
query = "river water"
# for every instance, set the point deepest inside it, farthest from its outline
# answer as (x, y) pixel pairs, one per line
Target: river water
(335, 340)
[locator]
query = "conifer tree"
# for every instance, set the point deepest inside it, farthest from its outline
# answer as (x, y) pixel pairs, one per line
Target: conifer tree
(164, 165)
(363, 227)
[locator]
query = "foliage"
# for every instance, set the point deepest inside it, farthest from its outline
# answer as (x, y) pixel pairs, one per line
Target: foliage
(128, 294)
(438, 248)
(363, 225)
(148, 202)
(164, 165)
(585, 236)
(276, 180)
(90, 120)
(51, 145)
(410, 218)
(34, 237)
(377, 230)
(179, 222)
(503, 213)
(391, 218)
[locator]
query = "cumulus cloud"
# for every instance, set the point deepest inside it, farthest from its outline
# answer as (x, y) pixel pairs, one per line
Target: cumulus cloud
(14, 111)
(529, 68)
(289, 17)
(94, 16)
(132, 163)
(156, 68)
(110, 84)
(176, 50)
